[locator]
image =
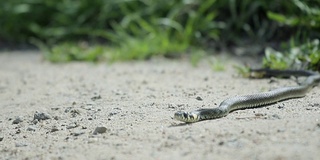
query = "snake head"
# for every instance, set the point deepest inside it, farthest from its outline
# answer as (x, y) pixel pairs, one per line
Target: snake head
(188, 117)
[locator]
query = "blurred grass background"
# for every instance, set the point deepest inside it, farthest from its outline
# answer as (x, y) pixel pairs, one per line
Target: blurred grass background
(285, 32)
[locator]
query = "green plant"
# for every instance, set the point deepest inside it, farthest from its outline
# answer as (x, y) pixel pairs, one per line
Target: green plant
(305, 56)
(142, 34)
(217, 64)
(309, 17)
(139, 29)
(247, 20)
(243, 71)
(145, 47)
(70, 51)
(300, 52)
(55, 21)
(196, 55)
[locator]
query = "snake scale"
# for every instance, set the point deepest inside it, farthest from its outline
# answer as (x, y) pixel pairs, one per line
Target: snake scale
(255, 100)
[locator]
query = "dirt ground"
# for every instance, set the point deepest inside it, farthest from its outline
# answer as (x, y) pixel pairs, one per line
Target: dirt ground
(124, 111)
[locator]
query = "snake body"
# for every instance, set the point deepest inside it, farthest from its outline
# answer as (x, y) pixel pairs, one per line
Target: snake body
(254, 100)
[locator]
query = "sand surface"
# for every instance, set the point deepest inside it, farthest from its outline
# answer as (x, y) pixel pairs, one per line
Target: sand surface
(51, 111)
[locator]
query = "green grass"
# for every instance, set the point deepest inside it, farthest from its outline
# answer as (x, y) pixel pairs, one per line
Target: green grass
(65, 52)
(305, 56)
(122, 30)
(302, 51)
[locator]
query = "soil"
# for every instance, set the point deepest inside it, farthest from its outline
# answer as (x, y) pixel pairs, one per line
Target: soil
(124, 111)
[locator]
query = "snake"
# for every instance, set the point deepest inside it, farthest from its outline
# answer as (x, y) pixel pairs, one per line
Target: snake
(255, 100)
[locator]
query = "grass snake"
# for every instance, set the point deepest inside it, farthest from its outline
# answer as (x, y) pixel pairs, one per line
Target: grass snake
(255, 100)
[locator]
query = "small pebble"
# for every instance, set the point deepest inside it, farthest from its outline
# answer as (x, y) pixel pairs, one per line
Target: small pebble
(281, 130)
(1, 138)
(96, 97)
(41, 116)
(35, 121)
(199, 98)
(92, 140)
(100, 130)
(172, 137)
(17, 120)
(77, 133)
(75, 112)
(72, 125)
(54, 129)
(31, 128)
(18, 131)
(19, 144)
(55, 108)
(274, 116)
(56, 117)
(112, 114)
(259, 114)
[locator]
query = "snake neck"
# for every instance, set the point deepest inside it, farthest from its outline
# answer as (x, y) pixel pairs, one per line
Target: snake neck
(214, 113)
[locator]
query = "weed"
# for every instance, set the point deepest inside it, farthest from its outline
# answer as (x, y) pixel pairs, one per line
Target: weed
(217, 64)
(305, 56)
(139, 29)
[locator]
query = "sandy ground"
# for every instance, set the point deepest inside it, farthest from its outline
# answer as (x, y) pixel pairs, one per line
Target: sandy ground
(51, 111)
